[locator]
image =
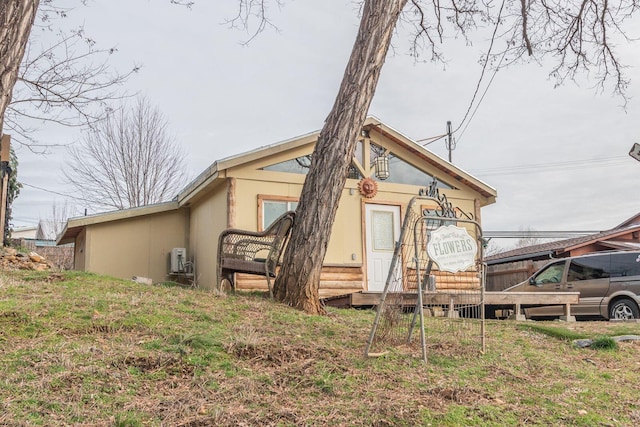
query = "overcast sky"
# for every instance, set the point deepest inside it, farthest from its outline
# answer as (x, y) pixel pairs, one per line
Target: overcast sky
(558, 157)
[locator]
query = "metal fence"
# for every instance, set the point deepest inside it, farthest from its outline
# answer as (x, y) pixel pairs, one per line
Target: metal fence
(448, 312)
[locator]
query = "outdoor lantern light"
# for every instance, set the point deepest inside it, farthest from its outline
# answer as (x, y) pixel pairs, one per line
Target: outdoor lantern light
(382, 167)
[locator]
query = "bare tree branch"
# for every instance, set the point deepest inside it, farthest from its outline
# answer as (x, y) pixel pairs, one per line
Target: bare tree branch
(525, 36)
(68, 83)
(127, 160)
(250, 11)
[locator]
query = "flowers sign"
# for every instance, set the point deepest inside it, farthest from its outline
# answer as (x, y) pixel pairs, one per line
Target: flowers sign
(452, 248)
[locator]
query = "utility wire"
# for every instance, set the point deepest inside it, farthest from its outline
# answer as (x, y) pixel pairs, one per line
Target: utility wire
(52, 191)
(547, 167)
(477, 89)
(484, 69)
(431, 139)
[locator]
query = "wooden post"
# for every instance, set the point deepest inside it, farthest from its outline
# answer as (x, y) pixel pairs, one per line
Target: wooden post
(5, 154)
(231, 204)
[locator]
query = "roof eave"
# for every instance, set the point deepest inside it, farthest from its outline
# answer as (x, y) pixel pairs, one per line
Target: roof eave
(523, 257)
(607, 237)
(439, 163)
(72, 226)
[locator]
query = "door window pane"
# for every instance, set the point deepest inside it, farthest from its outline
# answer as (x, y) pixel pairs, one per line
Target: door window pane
(382, 223)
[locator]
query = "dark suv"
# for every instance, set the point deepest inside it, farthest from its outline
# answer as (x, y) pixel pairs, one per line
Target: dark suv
(608, 282)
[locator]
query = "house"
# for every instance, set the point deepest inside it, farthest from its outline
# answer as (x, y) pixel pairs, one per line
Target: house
(24, 233)
(45, 233)
(48, 230)
(248, 191)
(512, 267)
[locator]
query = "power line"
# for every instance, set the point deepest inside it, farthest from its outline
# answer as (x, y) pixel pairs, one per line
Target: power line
(484, 68)
(464, 120)
(549, 166)
(431, 139)
(52, 191)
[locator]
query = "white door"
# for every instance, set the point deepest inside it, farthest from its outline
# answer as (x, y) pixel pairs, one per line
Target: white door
(382, 230)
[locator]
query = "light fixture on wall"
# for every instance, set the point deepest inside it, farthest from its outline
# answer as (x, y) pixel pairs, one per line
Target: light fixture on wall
(382, 166)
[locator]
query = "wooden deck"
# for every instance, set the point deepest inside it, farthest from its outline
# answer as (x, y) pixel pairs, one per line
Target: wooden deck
(515, 300)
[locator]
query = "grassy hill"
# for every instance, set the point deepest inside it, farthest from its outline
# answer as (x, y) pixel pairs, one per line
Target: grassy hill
(80, 349)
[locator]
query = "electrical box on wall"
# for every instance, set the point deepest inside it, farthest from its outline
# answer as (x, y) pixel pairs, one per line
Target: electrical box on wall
(178, 260)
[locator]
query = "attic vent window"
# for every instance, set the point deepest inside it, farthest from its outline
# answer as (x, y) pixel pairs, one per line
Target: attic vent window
(298, 165)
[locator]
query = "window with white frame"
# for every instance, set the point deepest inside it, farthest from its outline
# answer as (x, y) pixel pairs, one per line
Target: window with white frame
(272, 208)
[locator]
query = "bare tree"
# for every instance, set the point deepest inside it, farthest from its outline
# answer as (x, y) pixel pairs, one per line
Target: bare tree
(68, 82)
(492, 248)
(16, 20)
(578, 35)
(60, 213)
(127, 160)
(528, 239)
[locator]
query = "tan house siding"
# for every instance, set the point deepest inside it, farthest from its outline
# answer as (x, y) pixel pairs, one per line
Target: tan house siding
(80, 249)
(135, 247)
(231, 192)
(208, 218)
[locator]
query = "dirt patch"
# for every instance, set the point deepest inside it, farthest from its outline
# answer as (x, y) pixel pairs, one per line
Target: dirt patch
(461, 395)
(273, 354)
(170, 364)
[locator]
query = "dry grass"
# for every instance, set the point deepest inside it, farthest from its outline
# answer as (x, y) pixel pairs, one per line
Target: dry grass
(78, 349)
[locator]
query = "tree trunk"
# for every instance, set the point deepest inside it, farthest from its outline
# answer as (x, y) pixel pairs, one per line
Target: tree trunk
(16, 20)
(299, 279)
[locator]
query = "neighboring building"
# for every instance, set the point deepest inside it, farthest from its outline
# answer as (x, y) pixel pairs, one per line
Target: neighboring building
(45, 234)
(512, 267)
(250, 190)
(24, 233)
(48, 230)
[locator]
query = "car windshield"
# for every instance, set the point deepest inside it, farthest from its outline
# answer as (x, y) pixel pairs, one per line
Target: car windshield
(551, 274)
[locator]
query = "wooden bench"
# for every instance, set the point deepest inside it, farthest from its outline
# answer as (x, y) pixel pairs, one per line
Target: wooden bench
(517, 300)
(533, 299)
(251, 252)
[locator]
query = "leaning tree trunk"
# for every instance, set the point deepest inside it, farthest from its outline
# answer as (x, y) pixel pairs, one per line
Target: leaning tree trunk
(16, 20)
(299, 279)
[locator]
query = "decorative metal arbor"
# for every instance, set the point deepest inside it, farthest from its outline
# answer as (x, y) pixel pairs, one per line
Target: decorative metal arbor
(435, 283)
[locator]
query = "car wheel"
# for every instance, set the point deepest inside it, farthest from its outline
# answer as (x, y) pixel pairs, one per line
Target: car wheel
(624, 309)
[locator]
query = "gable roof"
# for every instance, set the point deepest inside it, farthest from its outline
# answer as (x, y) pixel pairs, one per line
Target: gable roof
(559, 247)
(448, 169)
(207, 178)
(634, 220)
(47, 230)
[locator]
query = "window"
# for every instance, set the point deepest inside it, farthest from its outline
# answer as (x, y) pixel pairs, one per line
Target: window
(298, 165)
(271, 207)
(589, 268)
(382, 230)
(551, 274)
(624, 265)
(401, 172)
